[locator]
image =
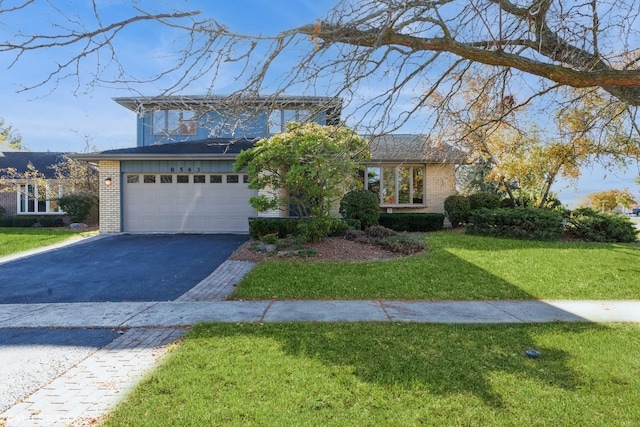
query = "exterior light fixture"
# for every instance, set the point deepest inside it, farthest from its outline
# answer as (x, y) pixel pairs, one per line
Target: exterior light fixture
(107, 182)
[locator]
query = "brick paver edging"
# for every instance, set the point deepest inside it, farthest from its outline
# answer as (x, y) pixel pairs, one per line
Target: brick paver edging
(91, 389)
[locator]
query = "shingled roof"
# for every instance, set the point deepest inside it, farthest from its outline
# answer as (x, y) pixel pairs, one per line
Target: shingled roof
(216, 148)
(20, 160)
(408, 148)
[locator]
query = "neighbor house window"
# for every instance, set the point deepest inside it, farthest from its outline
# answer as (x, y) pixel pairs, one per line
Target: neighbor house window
(396, 185)
(173, 122)
(34, 199)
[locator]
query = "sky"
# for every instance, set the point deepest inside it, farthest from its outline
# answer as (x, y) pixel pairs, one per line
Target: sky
(72, 117)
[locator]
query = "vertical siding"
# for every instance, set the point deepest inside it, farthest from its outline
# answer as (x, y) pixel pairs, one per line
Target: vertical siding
(110, 207)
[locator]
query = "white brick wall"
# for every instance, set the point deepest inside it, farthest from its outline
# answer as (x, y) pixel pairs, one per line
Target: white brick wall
(110, 209)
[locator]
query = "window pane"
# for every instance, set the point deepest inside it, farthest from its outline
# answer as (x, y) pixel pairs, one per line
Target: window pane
(158, 122)
(133, 179)
(149, 179)
(245, 179)
(404, 185)
(188, 122)
(275, 122)
(173, 121)
(183, 179)
(166, 179)
(373, 180)
(289, 116)
(198, 179)
(418, 185)
(389, 186)
(215, 179)
(232, 179)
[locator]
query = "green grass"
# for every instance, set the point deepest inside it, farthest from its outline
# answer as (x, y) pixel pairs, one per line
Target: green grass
(393, 374)
(461, 267)
(14, 240)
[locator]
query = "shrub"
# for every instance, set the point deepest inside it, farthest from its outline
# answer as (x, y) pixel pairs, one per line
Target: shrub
(337, 227)
(524, 223)
(353, 223)
(403, 243)
(379, 231)
(458, 209)
(362, 205)
(420, 222)
(269, 239)
(587, 224)
(76, 206)
(259, 227)
(483, 200)
(314, 229)
(31, 221)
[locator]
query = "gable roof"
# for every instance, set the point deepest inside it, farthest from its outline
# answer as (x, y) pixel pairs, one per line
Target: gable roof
(20, 160)
(410, 148)
(211, 148)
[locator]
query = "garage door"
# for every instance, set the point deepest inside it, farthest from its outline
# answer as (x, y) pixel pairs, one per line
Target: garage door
(186, 203)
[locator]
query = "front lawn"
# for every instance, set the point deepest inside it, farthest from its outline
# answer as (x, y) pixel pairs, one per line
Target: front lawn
(320, 374)
(14, 240)
(461, 267)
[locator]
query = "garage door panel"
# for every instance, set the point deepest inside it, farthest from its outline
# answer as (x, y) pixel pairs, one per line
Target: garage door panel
(186, 208)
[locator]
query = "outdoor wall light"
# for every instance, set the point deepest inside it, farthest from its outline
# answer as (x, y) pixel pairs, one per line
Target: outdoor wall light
(107, 182)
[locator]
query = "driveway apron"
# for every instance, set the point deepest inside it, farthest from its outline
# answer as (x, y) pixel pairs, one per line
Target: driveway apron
(116, 269)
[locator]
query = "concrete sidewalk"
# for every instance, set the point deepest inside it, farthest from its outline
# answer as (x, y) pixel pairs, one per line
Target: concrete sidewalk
(186, 313)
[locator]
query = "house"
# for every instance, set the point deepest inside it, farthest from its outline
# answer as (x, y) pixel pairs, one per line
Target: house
(19, 196)
(180, 179)
(410, 173)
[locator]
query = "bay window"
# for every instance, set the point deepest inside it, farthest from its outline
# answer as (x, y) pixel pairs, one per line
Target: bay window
(401, 185)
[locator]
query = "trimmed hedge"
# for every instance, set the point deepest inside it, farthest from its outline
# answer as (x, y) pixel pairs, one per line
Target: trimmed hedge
(362, 205)
(524, 223)
(483, 200)
(458, 209)
(589, 225)
(420, 222)
(31, 221)
(283, 227)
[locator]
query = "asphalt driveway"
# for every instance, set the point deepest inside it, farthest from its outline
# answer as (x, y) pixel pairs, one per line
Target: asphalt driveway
(116, 269)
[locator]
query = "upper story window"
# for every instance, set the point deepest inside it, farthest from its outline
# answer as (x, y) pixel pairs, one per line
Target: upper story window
(34, 199)
(174, 122)
(396, 185)
(279, 118)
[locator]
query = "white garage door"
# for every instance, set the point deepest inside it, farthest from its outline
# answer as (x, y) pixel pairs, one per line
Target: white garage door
(186, 203)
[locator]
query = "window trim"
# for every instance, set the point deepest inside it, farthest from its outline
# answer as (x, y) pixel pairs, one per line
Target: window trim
(23, 194)
(396, 177)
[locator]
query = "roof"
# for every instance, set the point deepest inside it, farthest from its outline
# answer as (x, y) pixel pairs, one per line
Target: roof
(42, 161)
(412, 149)
(210, 149)
(228, 101)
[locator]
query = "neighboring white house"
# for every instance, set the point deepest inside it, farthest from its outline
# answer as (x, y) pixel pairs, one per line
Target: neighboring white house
(29, 197)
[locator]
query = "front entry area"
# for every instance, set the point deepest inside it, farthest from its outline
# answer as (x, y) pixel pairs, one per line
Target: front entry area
(186, 203)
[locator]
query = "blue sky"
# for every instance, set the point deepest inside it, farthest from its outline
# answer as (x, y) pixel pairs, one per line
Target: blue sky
(68, 117)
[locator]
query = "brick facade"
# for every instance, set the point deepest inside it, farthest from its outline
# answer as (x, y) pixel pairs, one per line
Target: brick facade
(8, 201)
(110, 206)
(441, 183)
